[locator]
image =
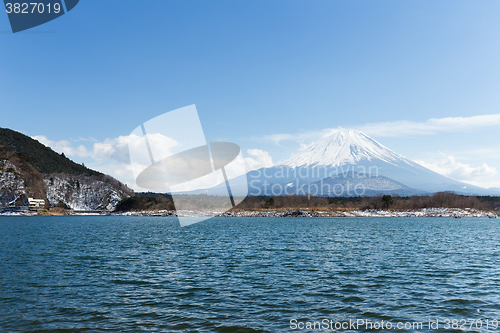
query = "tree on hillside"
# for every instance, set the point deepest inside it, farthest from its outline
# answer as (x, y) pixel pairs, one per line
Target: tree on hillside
(269, 202)
(387, 200)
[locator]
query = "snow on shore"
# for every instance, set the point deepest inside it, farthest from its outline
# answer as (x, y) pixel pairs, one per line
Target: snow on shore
(424, 212)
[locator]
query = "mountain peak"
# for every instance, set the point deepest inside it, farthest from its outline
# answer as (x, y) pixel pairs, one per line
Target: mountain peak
(342, 146)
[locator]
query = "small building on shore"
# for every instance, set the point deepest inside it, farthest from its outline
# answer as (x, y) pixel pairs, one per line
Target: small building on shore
(35, 204)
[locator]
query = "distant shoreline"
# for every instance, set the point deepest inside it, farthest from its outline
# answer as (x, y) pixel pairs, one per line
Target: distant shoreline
(424, 212)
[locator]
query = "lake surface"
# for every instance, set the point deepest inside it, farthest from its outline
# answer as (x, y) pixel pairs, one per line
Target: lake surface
(142, 274)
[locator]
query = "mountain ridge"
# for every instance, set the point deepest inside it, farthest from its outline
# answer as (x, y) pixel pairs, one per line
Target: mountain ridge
(30, 169)
(44, 158)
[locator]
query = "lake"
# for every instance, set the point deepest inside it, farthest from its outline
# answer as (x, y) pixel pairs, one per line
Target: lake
(142, 274)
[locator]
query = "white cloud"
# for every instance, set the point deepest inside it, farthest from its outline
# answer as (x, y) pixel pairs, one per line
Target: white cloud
(121, 171)
(448, 166)
(111, 156)
(117, 170)
(259, 159)
(429, 127)
(484, 184)
(63, 146)
(111, 149)
(86, 139)
(277, 138)
(115, 150)
(399, 128)
(161, 145)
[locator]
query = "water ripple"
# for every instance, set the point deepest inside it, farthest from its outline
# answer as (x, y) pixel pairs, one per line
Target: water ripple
(139, 274)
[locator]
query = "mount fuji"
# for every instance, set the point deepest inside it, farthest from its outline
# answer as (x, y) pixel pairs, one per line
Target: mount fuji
(344, 147)
(345, 161)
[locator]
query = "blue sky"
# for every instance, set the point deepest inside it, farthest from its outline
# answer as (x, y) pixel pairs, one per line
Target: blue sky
(256, 69)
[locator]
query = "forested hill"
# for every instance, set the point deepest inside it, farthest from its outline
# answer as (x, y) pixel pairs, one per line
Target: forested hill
(43, 158)
(28, 169)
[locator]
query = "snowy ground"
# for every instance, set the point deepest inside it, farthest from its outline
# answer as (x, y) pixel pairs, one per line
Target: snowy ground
(424, 212)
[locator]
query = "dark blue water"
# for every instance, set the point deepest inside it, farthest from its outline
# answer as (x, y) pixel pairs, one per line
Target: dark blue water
(143, 274)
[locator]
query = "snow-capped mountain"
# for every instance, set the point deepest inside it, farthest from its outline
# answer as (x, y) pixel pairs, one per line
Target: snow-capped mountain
(342, 152)
(343, 147)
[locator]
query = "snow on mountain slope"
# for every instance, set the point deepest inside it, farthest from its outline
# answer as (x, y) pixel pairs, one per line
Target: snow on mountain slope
(342, 152)
(353, 150)
(11, 185)
(344, 147)
(82, 192)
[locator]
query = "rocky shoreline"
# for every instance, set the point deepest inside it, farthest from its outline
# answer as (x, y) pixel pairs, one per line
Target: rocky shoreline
(424, 212)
